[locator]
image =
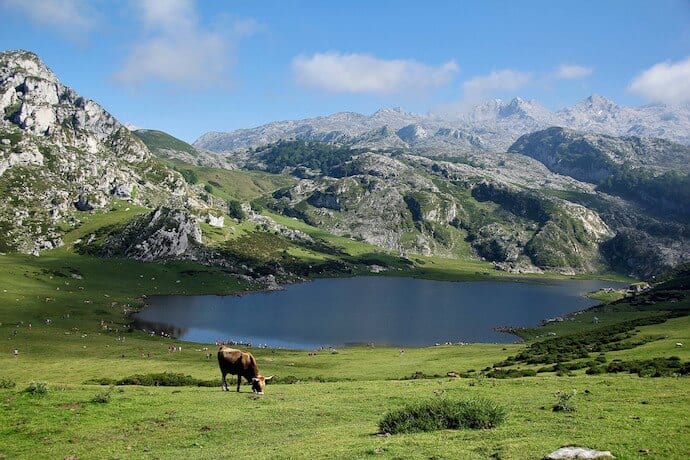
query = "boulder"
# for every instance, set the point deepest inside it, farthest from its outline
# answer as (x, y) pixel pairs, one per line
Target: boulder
(572, 452)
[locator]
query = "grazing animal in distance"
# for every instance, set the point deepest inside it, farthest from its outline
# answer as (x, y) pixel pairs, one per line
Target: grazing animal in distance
(241, 364)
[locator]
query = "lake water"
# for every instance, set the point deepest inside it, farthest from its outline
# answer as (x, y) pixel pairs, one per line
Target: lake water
(381, 310)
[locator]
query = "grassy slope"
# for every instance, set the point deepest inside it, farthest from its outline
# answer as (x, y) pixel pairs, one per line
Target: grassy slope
(155, 140)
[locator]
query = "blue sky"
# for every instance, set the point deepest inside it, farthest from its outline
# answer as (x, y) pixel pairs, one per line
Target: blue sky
(188, 67)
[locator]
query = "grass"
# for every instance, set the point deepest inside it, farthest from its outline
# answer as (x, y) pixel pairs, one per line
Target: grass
(236, 184)
(336, 420)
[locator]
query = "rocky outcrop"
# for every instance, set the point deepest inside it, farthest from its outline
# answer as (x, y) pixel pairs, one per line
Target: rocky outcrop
(165, 233)
(62, 154)
(581, 453)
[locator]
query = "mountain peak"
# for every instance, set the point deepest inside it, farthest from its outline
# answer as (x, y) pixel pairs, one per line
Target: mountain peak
(389, 111)
(598, 101)
(27, 63)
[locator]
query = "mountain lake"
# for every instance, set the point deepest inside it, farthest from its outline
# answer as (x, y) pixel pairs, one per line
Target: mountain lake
(381, 310)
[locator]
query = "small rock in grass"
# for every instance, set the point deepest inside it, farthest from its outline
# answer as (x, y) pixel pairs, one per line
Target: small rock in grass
(572, 452)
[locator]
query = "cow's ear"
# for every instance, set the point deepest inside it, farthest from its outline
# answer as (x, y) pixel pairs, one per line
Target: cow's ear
(269, 378)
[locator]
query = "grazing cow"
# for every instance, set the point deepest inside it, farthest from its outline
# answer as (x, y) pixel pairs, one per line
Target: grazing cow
(241, 364)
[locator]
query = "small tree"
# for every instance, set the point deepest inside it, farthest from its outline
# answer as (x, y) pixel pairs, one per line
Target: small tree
(235, 210)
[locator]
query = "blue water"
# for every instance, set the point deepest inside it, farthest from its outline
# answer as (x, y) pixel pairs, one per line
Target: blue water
(381, 310)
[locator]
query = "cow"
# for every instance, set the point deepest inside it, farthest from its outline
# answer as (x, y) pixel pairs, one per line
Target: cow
(241, 364)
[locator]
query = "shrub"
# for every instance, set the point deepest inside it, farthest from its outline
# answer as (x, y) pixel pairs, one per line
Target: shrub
(443, 414)
(163, 379)
(6, 383)
(594, 370)
(510, 373)
(235, 210)
(419, 375)
(37, 388)
(189, 175)
(102, 397)
(563, 403)
(655, 367)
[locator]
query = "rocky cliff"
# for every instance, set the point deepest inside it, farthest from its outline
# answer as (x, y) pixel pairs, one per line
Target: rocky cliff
(62, 154)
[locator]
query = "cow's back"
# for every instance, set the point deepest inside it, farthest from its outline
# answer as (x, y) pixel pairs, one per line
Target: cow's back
(236, 362)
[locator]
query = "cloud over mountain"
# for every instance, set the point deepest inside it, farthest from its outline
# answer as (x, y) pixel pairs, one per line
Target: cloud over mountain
(478, 88)
(667, 82)
(364, 73)
(177, 48)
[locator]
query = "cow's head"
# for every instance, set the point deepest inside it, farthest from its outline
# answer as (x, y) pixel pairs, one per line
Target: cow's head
(259, 383)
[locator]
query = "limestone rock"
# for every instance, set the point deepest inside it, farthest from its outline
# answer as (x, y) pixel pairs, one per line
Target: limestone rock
(569, 453)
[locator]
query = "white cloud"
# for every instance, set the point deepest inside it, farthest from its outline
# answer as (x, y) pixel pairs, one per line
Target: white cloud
(363, 73)
(572, 71)
(479, 88)
(667, 82)
(176, 48)
(73, 18)
(167, 14)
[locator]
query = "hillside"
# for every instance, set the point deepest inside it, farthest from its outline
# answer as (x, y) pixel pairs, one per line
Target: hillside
(166, 146)
(509, 209)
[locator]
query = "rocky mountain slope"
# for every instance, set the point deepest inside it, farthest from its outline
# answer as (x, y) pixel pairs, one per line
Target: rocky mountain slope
(62, 154)
(517, 210)
(504, 208)
(654, 173)
(594, 157)
(492, 126)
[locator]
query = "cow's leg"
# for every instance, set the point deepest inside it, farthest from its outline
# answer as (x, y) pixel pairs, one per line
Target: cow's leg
(239, 380)
(223, 382)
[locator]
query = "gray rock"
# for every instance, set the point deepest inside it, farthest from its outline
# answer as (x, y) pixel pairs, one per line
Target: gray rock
(566, 453)
(82, 204)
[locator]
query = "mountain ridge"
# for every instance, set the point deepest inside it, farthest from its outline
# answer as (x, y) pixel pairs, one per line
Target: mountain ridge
(493, 125)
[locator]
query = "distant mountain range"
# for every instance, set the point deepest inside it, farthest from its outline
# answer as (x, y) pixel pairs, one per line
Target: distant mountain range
(492, 126)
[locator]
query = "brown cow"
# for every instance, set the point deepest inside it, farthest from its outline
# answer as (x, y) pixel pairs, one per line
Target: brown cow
(241, 364)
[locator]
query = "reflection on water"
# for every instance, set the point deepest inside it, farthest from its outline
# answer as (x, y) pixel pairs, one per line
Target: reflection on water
(382, 310)
(158, 328)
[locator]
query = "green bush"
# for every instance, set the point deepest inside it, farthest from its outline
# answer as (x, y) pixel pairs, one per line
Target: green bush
(443, 414)
(102, 397)
(235, 210)
(656, 367)
(419, 375)
(37, 388)
(563, 403)
(511, 373)
(6, 383)
(189, 175)
(163, 379)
